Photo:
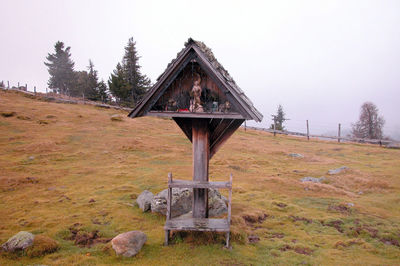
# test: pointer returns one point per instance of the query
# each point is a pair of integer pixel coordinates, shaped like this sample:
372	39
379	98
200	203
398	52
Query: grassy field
66	166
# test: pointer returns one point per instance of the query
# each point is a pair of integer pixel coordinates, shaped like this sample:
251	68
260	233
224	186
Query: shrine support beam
201	155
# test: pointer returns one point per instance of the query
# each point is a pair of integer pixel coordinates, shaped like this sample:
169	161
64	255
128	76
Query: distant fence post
244	125
308	131
83	97
338	133
34	89
46	91
274	127
26	87
8	84
18	86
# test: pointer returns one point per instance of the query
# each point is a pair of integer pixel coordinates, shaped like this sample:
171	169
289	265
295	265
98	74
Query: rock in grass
337	170
216	203
20	241
312	179
296	155
128	244
182	202
144	200
116	117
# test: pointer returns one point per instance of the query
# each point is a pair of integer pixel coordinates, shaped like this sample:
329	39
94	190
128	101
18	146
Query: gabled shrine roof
207	57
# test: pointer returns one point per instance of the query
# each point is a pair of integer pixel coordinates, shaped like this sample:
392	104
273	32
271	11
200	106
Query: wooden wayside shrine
203	99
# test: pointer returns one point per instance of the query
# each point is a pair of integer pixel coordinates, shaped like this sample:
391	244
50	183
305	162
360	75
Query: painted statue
195	103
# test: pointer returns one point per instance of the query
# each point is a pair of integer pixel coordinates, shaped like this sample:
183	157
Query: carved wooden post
201	154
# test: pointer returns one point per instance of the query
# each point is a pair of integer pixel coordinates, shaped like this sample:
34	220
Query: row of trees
369	125
126	85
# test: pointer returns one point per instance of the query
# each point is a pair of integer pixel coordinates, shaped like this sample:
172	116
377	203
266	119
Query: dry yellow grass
55	158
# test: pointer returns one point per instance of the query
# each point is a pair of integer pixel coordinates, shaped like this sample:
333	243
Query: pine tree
279	119
81	81
117	85
61	69
370	123
127	83
92	89
103	92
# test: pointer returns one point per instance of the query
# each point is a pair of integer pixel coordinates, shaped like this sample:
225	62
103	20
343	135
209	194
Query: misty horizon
320	61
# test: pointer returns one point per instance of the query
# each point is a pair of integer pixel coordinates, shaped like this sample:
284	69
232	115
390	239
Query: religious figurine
225	107
195	103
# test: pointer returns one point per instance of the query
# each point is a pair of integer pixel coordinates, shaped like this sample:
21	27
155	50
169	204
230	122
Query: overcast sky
319	59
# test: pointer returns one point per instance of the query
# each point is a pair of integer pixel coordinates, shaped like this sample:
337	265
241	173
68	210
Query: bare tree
370	124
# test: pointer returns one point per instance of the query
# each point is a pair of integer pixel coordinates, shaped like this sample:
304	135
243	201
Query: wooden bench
197	224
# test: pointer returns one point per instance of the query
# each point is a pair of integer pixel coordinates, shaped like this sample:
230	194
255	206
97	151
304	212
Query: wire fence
49	95
340	137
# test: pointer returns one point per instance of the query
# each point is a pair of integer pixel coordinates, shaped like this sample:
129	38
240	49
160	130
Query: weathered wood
308	131
339	132
201	155
198	224
195	115
227	238
186	126
220	81
199	184
219	130
169	197
184	58
217	144
230	199
166	237
169	202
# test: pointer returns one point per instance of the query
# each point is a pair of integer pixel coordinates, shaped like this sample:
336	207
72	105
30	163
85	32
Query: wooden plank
201	152
217	144
230	199
169	197
219	130
186	126
197	184
195	115
198	224
220	81
214	122
153	95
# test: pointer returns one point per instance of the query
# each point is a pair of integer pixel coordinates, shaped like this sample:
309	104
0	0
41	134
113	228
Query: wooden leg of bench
166	237
227	239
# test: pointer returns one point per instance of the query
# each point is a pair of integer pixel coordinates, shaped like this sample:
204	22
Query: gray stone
20	241
217	204
144	200
337	170
128	244
350	204
296	155
312	179
182	202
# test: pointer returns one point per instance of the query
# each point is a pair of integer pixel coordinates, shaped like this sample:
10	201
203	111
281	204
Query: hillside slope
66	165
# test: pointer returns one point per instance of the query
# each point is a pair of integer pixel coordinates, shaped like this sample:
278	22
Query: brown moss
42	245
23	117
8	114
